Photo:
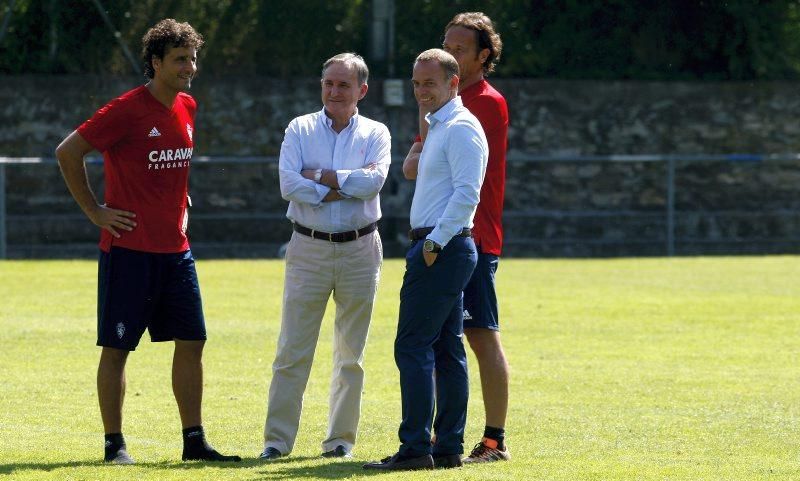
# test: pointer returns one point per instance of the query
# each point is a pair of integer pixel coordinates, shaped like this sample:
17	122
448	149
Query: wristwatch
317	175
431	246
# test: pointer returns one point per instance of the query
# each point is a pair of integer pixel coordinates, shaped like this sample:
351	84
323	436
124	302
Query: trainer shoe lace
487	451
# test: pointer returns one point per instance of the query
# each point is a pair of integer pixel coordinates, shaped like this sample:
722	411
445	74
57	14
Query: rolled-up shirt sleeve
467	155
295	187
365	183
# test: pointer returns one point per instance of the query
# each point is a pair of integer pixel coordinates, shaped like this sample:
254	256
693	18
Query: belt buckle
330	236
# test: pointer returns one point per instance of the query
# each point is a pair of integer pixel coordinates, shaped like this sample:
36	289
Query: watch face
430	246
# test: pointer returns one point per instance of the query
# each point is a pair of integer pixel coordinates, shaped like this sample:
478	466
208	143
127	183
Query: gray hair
352	61
447	61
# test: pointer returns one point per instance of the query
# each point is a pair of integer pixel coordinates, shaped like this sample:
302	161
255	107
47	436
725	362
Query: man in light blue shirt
332	165
439	263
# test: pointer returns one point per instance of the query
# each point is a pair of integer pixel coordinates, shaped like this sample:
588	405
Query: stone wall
568	208
248	116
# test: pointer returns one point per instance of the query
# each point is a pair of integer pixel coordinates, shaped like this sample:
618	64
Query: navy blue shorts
142	290
480	298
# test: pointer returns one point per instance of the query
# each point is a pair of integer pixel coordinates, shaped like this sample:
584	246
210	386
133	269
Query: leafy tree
595	39
678	39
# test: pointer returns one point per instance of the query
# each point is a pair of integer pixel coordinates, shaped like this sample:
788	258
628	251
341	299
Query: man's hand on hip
112	219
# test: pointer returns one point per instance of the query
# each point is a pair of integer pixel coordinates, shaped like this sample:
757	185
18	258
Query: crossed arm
298	182
330	179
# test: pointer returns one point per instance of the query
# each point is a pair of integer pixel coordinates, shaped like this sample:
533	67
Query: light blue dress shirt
311	143
450	172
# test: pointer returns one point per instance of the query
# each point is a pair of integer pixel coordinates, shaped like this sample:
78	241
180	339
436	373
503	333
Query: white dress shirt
311	143
450	172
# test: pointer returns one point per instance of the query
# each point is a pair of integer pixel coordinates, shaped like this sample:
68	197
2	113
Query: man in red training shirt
470	38
146	276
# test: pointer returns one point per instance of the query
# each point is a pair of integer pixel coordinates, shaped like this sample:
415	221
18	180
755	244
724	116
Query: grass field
651	369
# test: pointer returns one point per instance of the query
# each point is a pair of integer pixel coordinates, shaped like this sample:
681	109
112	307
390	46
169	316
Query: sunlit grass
679	369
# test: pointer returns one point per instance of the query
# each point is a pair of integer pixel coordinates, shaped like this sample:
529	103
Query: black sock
498	434
195	446
114	443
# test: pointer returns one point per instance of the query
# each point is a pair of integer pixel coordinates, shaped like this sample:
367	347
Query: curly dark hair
167	33
485	34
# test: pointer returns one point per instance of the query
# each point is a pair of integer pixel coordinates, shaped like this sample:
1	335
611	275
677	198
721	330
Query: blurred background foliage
568	39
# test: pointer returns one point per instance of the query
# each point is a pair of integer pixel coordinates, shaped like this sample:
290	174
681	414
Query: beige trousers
315	269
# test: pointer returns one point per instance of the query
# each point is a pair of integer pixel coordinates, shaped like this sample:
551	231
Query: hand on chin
426	107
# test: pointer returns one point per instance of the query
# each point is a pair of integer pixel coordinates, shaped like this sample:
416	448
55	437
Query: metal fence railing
671	162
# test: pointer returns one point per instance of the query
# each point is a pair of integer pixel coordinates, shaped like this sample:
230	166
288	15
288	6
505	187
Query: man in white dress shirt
439	264
332	165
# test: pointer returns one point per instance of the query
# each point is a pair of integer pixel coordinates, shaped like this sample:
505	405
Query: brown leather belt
347	236
422	232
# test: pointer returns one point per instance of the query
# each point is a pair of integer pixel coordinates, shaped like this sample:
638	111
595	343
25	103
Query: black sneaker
445	461
208	455
339	452
196	448
402	463
269	454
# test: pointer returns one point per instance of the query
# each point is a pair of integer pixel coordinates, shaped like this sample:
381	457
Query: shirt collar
444	113
329	121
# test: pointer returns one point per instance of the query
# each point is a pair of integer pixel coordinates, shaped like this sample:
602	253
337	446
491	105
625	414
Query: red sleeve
107	126
492	113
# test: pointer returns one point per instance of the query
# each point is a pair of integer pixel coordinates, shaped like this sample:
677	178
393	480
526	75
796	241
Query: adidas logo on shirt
154	133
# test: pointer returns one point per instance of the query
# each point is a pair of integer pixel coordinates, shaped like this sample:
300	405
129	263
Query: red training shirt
147	149
489	106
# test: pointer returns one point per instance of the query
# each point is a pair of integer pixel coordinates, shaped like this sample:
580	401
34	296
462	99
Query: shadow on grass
47	467
11	468
284	468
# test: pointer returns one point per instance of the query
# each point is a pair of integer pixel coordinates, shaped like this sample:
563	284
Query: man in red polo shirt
146	277
471	39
